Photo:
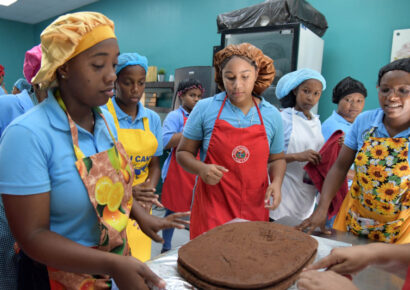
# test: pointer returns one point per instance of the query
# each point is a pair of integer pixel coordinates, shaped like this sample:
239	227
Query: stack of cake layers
246	255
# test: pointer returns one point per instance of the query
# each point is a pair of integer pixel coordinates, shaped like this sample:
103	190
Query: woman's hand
211	173
309	155
129	273
152	224
350	174
341	140
315	280
317	219
273	191
346	260
144	193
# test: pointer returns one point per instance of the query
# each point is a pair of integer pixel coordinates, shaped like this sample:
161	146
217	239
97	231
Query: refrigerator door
277	44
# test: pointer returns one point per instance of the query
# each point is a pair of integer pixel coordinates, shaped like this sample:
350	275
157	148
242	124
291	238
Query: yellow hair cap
68	36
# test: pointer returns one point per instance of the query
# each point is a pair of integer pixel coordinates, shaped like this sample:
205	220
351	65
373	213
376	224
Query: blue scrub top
125	121
364	122
333	123
173	124
38	150
12	106
201	122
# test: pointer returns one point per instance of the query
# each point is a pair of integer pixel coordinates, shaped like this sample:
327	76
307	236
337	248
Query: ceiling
35	11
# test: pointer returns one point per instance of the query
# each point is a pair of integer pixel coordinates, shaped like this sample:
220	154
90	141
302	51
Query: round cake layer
247	255
281	285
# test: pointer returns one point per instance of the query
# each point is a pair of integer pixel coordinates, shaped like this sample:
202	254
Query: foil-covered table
165	265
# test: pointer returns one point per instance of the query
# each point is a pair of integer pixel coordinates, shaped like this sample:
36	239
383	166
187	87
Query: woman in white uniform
298	92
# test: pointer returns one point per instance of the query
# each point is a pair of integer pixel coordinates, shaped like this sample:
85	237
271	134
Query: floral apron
378	204
108	180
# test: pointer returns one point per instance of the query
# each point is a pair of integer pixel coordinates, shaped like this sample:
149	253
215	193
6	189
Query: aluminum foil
165	265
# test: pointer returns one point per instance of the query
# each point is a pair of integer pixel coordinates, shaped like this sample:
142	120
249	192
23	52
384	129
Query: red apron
406	285
241	191
178	185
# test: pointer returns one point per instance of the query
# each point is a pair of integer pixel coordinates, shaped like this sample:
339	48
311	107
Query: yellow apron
140	145
378	203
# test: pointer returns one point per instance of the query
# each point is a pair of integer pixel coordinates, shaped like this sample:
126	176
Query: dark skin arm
276	170
186	153
29	220
174	141
150	224
308	155
331	185
393	258
144	193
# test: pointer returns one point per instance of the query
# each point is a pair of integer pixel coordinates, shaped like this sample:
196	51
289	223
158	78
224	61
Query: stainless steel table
371	278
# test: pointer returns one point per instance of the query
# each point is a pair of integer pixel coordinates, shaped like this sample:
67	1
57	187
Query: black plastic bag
274	12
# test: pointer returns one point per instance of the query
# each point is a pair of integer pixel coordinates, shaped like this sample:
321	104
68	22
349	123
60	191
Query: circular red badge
240	154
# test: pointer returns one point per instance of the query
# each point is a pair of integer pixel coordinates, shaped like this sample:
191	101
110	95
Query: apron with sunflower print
378	204
107	177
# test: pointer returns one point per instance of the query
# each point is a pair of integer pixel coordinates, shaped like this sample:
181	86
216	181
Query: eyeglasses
400	91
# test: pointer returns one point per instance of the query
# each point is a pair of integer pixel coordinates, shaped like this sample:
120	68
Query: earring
63	77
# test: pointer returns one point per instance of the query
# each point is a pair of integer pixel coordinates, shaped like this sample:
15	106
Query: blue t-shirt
38	150
288	124
333	123
173	124
201	122
125	121
364	122
12	106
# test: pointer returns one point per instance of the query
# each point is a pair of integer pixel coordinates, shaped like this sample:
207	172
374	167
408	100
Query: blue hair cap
22	84
132	58
293	79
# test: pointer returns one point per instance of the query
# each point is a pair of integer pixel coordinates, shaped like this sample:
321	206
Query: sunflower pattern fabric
381	189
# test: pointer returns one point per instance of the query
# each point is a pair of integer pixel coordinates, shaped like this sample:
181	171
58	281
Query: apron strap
111	109
256	105
73	128
184	117
259	112
369	134
223	104
145	121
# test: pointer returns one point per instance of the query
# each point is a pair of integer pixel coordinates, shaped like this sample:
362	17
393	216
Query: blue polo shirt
364	122
201	122
125	121
333	123
38	150
12	106
173	124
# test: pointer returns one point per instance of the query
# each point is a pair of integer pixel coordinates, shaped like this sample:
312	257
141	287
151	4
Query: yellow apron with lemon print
378	204
140	145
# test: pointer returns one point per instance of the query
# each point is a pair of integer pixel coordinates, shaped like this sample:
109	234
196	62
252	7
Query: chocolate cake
246	255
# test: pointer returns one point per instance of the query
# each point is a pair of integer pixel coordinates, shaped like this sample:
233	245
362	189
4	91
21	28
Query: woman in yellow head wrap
67	187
